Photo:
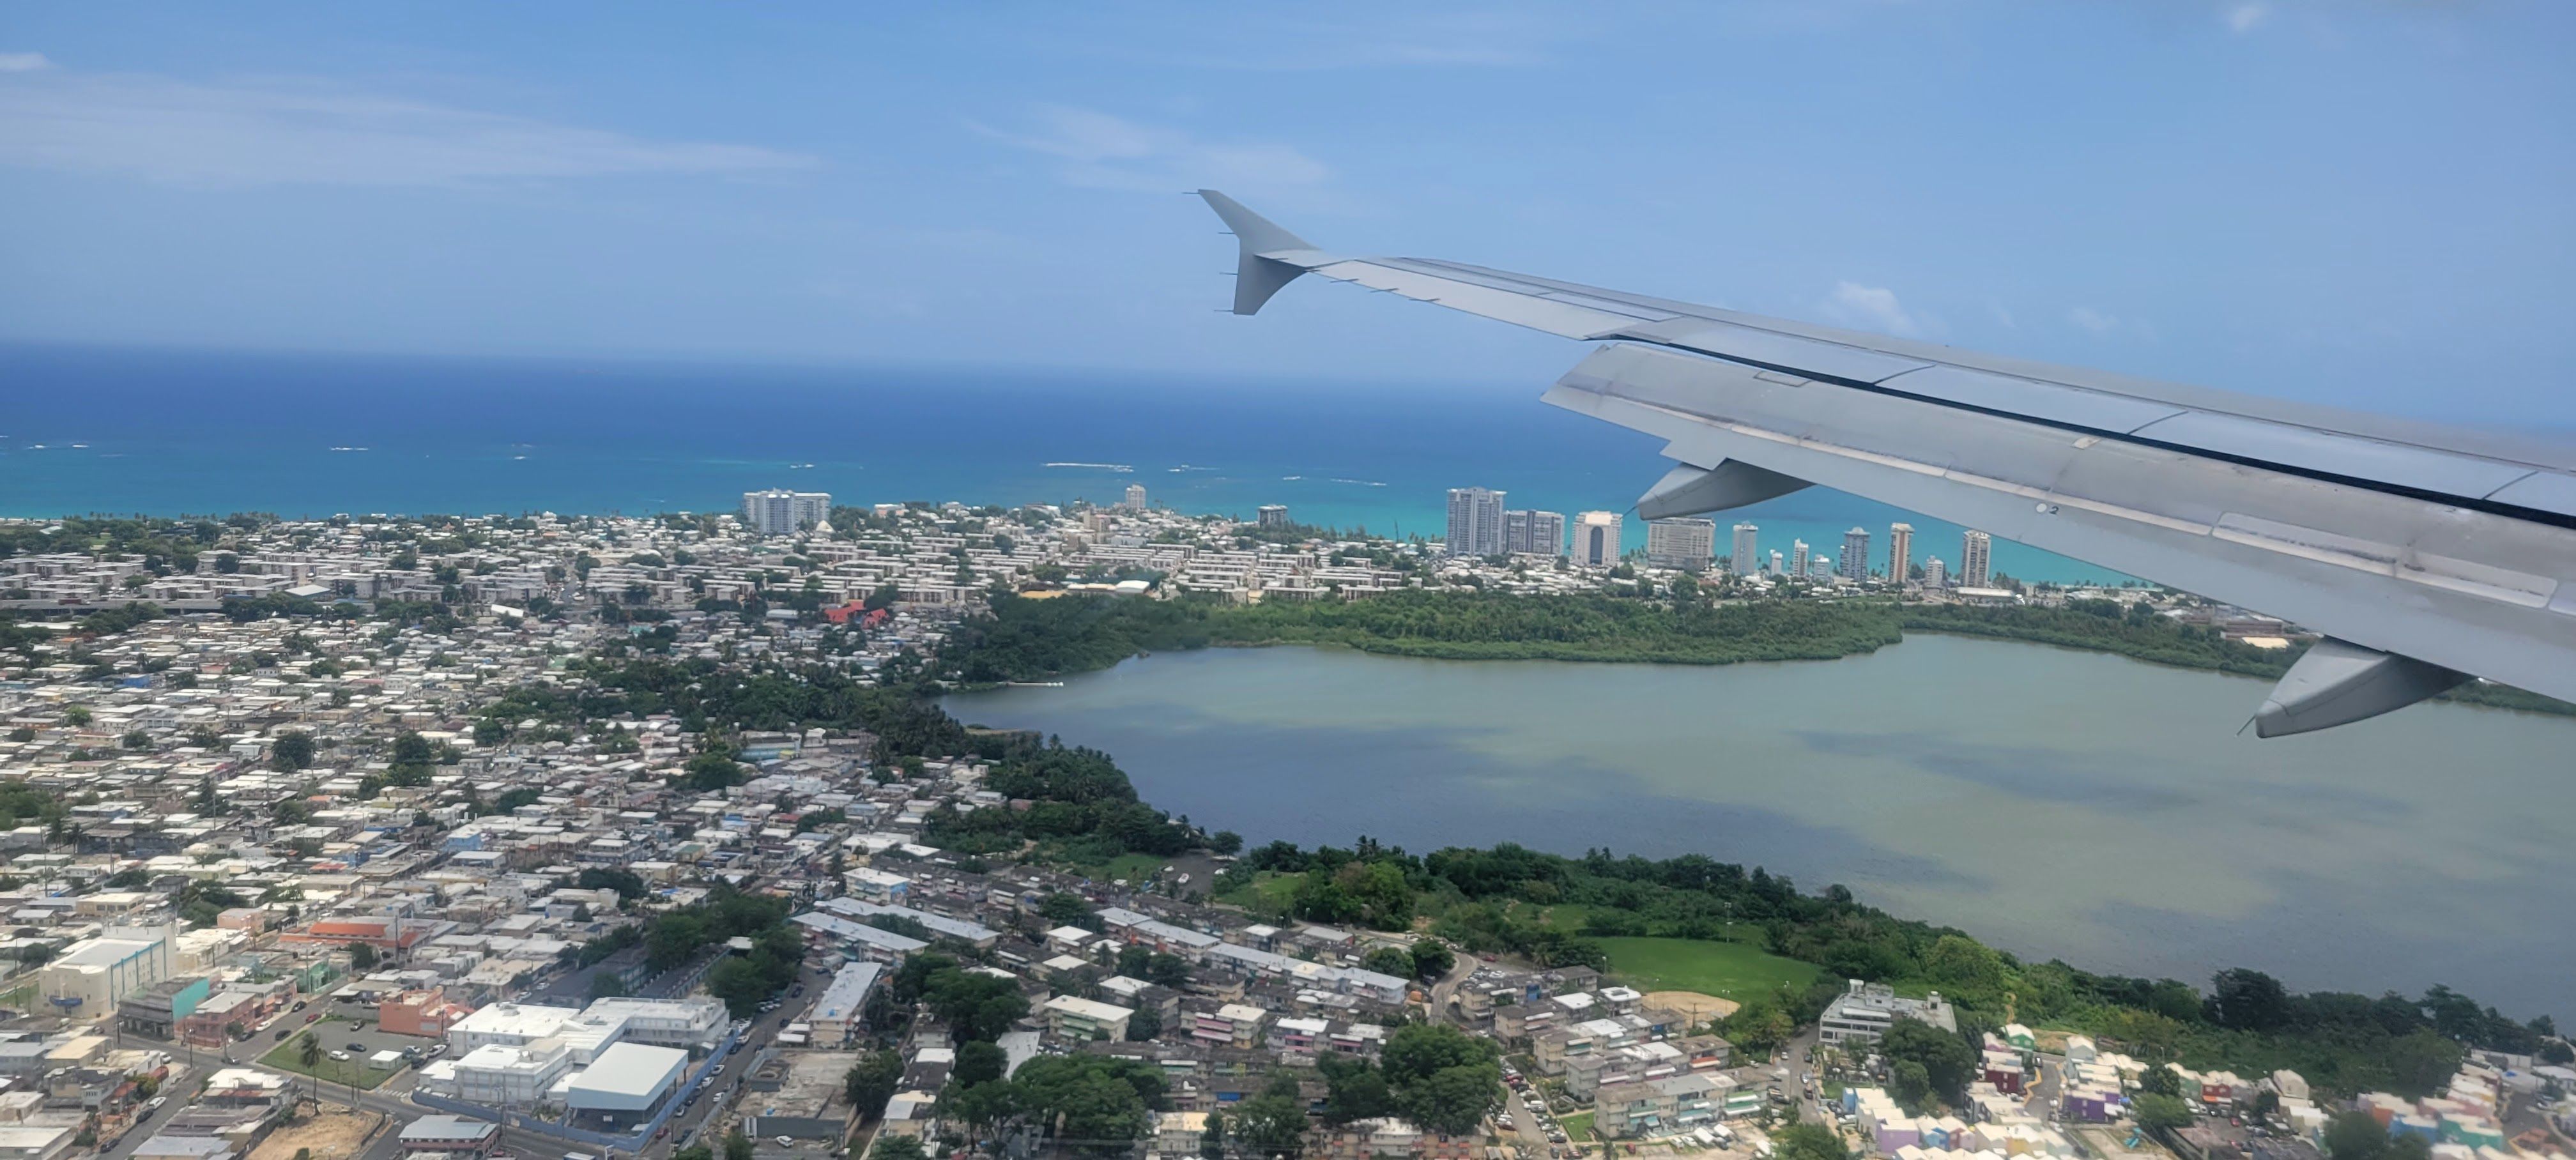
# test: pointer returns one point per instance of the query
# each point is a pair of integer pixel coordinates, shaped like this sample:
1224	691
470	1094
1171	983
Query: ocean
168	432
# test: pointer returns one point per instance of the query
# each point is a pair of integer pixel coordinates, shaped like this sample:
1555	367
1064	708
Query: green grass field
1269	891
1726	970
1578	1127
1135	868
288	1056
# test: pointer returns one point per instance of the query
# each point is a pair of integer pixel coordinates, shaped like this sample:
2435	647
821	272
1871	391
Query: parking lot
342	1036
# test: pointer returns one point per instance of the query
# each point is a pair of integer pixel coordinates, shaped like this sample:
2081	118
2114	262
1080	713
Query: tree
362	957
1272	1124
1144	1025
890	1146
1395	961
308	1051
2160	1081
738	1146
2160	1113
2356	1136
2243	1000
711	771
1355	1090
978	1062
1432	959
291	751
1911	1083
871	1082
1440	1077
1064	909
1947	1061
1808	1142
1225	843
136	739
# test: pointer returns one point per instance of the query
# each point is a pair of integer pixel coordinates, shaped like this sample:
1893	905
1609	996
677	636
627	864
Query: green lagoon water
2056	803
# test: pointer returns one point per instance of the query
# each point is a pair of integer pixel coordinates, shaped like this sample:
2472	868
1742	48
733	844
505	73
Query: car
353	1046
313	1017
156	1101
341	1056
283	1032
299	1005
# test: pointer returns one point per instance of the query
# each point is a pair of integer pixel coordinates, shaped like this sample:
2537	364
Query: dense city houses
319	836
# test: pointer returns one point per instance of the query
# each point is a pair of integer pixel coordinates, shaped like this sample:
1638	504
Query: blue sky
2363	202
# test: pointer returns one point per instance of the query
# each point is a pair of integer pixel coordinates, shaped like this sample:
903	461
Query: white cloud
2244	18
18	62
1876	308
232	133
2104	324
1102	151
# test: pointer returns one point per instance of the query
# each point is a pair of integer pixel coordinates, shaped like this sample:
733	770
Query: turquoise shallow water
2060	804
87	430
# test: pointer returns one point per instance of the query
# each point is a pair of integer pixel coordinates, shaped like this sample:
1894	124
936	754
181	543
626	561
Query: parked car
341	1056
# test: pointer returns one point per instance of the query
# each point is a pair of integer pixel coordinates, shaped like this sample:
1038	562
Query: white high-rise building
1135	497
1935	573
1976	560
1687	544
778	512
1596	539
1855	563
1747	555
1536	533
1776	568
1900	552
1797	557
1274	515
1820	568
1475	522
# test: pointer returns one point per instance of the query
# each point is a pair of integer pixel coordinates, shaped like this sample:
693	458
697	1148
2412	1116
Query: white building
840	1012
1935	573
1865	1011
1748	554
1273	515
626	1083
778	512
1687	544
511	1077
507	1025
1797	557
682	1023
1596	539
1135	497
1900	552
1475	522
92	975
1976	560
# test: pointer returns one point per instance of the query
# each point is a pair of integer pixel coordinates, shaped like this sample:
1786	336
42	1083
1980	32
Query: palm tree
308	1051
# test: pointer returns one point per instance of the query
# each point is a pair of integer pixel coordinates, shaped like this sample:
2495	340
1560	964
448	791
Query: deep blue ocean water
164	432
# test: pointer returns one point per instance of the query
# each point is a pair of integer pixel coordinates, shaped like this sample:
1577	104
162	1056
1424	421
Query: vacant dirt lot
1701	1008
331	1134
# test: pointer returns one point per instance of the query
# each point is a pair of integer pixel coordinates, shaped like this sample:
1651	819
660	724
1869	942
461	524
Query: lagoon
2059	804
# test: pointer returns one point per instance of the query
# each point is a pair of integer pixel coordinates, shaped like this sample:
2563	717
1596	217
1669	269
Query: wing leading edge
2426	554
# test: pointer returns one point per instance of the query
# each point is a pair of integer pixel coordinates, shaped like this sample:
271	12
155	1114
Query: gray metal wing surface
2426	554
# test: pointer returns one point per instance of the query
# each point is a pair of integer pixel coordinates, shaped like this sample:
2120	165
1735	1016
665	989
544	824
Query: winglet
1256	278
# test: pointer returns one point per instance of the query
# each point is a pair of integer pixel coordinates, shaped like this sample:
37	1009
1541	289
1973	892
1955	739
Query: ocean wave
1360	482
1190	467
1118	467
1291	478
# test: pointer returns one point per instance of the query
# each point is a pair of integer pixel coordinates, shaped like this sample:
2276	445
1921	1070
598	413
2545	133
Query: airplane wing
2425	554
